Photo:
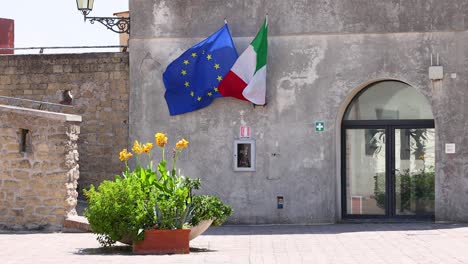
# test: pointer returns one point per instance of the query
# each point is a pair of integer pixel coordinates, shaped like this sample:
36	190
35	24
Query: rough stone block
7	139
5	79
21	175
21	164
29	209
67	68
52	219
56	177
11	184
18	212
49	166
39	79
41	155
13	156
42	210
50	202
12	147
58	211
57	69
38	92
11	70
56	137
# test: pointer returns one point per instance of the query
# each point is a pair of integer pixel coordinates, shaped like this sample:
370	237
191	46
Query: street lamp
116	24
85	6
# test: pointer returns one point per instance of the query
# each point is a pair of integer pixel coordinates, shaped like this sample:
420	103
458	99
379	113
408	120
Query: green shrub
209	207
118	209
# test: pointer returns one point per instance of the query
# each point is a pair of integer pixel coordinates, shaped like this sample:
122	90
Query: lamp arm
116	24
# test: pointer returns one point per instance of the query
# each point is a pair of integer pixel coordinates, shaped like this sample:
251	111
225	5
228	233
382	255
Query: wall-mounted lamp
116	24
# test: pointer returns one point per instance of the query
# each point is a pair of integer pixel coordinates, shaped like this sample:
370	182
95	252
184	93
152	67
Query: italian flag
247	78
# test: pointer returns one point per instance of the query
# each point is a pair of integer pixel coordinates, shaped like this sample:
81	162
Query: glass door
414	171
366	167
388	171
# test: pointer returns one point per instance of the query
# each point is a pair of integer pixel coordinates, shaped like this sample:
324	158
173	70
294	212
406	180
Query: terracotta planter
200	228
163	242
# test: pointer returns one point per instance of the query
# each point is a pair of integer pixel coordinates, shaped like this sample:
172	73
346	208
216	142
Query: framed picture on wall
244	155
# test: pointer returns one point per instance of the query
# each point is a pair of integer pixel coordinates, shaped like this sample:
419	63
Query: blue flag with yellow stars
192	79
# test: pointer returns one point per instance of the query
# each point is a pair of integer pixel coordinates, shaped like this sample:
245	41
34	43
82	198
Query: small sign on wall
319	126
244	132
450	148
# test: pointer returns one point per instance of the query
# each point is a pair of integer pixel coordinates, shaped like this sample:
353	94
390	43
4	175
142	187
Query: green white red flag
247	78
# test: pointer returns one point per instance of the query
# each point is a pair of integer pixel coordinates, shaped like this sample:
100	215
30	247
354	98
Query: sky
47	23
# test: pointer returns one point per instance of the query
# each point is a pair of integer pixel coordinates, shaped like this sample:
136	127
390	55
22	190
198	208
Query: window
389	100
23	133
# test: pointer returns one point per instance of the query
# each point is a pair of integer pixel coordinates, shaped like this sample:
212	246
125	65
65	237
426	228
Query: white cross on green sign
319	126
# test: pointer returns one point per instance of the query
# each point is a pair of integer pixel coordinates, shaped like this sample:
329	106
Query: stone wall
99	85
38	176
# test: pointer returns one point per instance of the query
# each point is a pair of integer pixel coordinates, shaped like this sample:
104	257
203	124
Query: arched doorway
388	155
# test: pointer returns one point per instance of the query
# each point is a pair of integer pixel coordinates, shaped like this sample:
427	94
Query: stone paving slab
341	243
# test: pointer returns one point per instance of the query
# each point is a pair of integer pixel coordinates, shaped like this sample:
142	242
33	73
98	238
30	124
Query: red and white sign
244	132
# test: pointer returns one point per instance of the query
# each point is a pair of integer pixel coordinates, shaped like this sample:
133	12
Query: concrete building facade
321	55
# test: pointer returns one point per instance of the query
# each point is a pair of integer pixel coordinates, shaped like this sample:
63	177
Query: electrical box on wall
280	202
436	72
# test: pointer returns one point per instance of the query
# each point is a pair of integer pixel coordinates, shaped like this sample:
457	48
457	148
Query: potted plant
153	207
208	210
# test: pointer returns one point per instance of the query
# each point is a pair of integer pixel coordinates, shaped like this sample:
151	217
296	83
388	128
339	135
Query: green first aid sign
319	126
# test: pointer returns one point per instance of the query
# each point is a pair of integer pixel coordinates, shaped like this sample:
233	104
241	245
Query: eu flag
192	79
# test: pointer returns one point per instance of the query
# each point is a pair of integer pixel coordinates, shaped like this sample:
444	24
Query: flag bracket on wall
263	105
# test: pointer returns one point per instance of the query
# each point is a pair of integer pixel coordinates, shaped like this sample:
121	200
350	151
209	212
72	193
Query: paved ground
343	243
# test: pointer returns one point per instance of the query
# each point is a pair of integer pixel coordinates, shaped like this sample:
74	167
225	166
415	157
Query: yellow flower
182	144
125	155
137	147
161	139
147	147
129	155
